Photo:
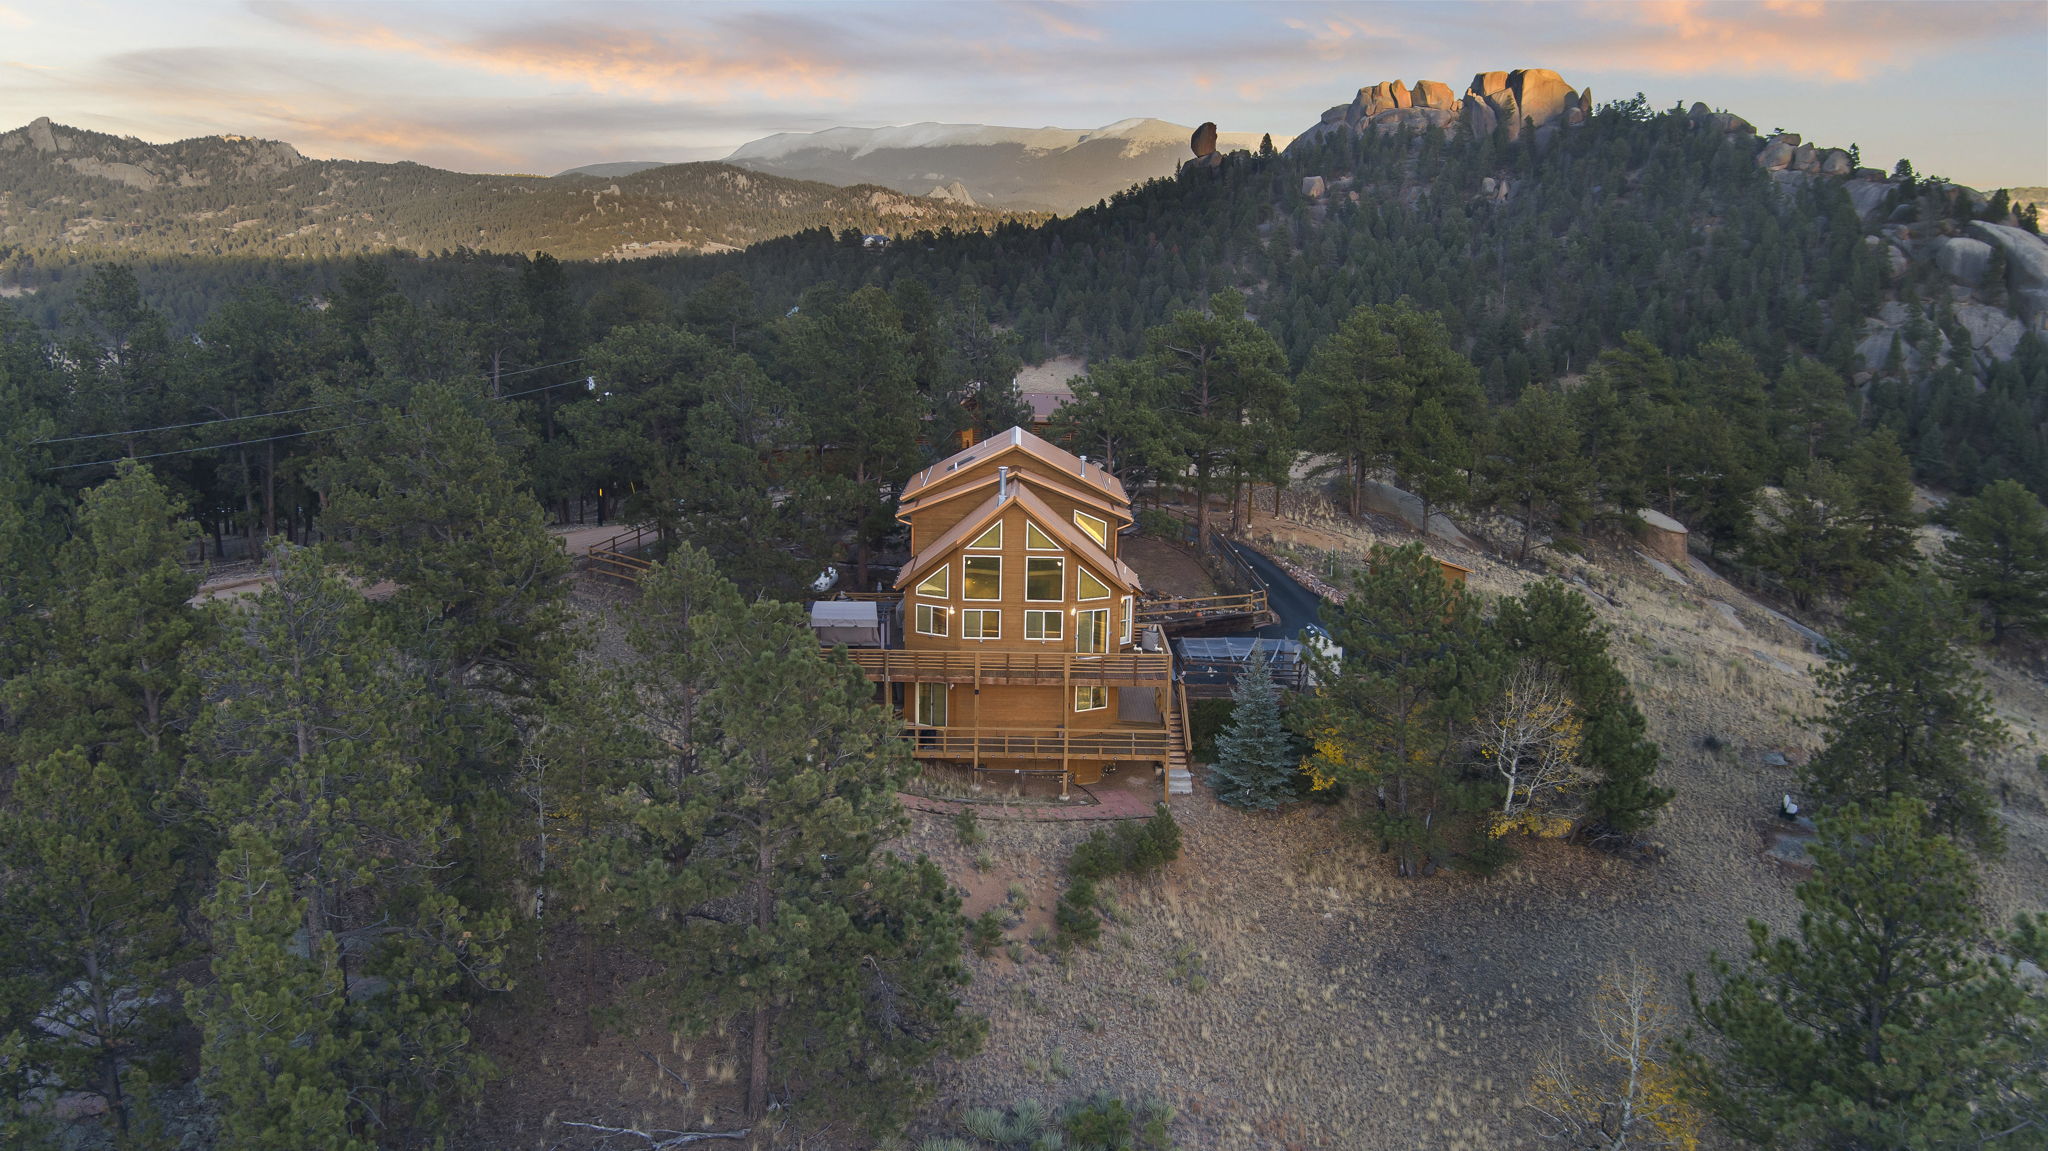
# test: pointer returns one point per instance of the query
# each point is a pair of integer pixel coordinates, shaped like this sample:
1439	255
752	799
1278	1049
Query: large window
1098	530
1045	578
981	623
935	584
930	705
1087	586
931	619
1091	630
981	577
1091	698
1044	624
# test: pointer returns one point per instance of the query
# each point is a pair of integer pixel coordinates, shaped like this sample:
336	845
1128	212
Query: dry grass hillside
1282	990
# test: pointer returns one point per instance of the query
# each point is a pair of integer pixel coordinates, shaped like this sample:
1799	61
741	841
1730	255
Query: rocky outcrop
200	162
1516	99
1313	187
2026	264
1965	259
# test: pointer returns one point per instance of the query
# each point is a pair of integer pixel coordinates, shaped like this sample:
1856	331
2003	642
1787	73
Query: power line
283	436
288	411
207	448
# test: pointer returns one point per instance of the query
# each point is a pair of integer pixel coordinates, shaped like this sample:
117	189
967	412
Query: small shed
855	623
1663	536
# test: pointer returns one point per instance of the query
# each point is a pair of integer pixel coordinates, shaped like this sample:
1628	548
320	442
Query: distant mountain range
71	194
1047	169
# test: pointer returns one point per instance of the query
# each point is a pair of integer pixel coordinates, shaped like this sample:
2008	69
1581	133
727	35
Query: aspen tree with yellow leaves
1613	1094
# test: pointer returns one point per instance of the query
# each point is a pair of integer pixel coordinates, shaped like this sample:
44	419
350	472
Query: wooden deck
1150	744
1184	612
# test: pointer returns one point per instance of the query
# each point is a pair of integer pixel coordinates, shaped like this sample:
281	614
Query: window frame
1102	631
1130	619
995	529
1059	621
943	576
938	612
1097	695
1059	562
920	693
981	616
1108	589
1031	529
1083	519
965	581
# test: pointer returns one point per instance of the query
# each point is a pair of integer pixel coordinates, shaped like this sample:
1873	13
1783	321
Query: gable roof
1086	495
972	524
1018	441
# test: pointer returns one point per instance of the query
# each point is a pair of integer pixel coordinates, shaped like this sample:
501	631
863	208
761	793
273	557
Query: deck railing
1037	743
1110	669
1193	609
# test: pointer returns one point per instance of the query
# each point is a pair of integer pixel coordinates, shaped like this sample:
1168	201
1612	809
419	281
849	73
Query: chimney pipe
1084	465
1002	484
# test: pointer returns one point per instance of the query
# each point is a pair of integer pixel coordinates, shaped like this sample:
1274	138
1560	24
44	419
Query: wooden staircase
1179	780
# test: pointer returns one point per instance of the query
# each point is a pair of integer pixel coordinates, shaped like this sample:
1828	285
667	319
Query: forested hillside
68	196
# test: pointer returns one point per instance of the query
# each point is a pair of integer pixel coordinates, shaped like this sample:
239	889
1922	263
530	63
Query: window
1129	622
1091	630
931	619
1090	587
1044	624
1036	539
1045	578
981	577
930	705
935	584
1098	530
989	540
981	623
1089	698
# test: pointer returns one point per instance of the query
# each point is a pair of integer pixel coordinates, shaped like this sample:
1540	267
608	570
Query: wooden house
1020	650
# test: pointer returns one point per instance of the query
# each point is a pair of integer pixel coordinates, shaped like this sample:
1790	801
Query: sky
1959	87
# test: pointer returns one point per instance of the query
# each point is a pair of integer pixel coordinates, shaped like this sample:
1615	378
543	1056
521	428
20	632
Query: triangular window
1090	587
935	584
989	540
1036	539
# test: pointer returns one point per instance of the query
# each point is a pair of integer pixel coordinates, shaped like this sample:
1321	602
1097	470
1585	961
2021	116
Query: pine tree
108	682
1998	558
1907	713
1535	466
1554	625
273	1051
1879	1024
750	859
88	929
1256	763
1415	668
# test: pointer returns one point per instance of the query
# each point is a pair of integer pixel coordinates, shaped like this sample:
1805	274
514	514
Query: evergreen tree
274	1052
1998	557
1878	1025
88	930
1256	761
321	738
1554	625
1907	714
1534	464
108	682
1415	669
426	496
751	861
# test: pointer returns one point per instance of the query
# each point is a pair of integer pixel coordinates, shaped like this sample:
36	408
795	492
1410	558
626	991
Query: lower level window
1091	698
931	619
981	623
1043	624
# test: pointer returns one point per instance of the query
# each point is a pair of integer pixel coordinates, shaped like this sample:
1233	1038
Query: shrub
1160	524
985	932
1074	918
967	827
1101	1120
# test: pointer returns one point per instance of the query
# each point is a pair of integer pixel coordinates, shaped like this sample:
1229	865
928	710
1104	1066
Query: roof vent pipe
1002	484
1084	465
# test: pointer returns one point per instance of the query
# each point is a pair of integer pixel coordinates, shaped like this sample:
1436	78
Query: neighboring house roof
1019	441
971	525
1044	404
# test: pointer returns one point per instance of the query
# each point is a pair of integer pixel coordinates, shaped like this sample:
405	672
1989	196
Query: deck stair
1179	780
